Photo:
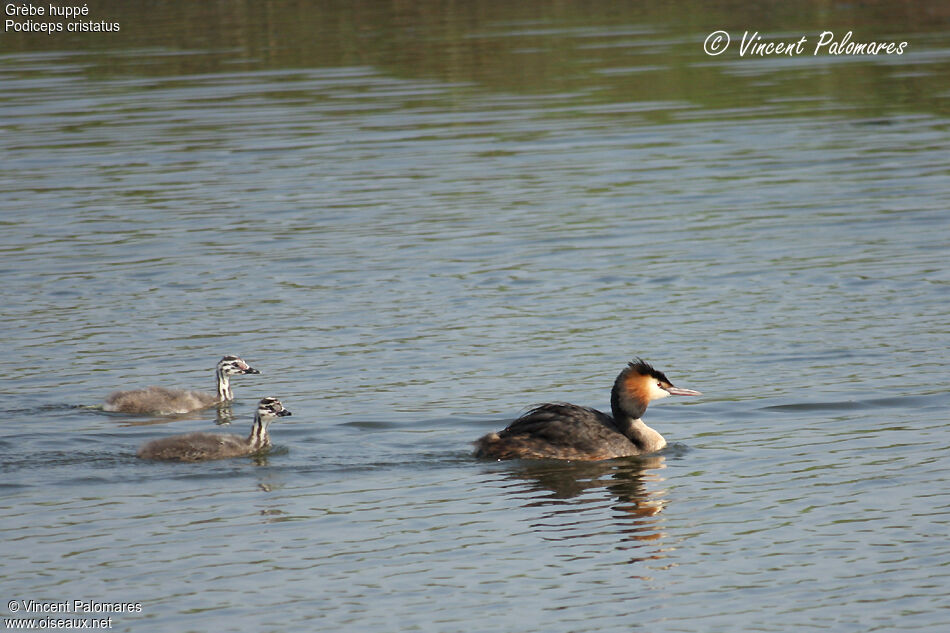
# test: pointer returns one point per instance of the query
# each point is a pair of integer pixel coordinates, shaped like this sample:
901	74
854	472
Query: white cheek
656	393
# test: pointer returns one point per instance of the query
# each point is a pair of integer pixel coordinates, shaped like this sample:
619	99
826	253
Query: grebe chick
161	401
196	447
567	431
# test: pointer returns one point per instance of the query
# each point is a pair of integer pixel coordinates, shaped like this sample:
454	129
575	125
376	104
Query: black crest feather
644	368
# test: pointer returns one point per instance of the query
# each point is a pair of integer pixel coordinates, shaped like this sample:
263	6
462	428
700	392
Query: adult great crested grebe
567	431
196	447
162	401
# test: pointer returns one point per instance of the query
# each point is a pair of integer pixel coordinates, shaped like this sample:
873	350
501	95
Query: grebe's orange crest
642	382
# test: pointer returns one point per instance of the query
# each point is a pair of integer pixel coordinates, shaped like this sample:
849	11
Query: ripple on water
412	253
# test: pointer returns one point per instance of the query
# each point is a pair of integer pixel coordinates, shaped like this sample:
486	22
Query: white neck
647	440
258	438
224	386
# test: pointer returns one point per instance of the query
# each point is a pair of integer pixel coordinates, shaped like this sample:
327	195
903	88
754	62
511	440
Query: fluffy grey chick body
162	401
196	447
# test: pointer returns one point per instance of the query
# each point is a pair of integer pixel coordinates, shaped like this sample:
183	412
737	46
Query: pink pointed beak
680	391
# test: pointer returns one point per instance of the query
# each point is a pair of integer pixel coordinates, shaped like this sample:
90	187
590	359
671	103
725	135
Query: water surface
418	222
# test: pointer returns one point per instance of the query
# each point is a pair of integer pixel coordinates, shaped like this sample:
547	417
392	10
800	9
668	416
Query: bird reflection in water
224	414
576	494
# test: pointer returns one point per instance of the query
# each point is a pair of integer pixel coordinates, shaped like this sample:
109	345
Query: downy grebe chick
161	401
196	447
567	431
